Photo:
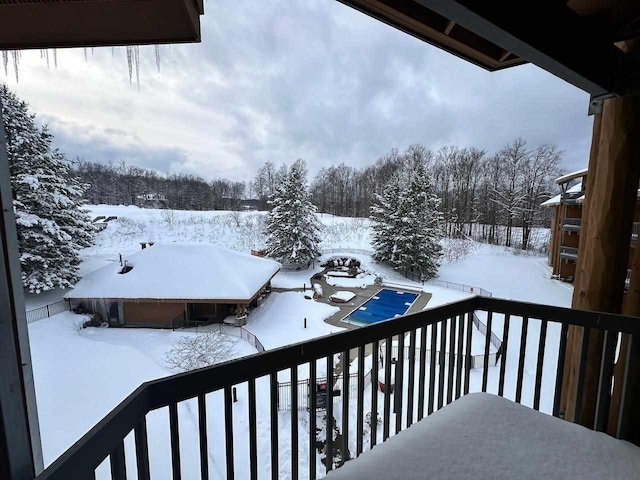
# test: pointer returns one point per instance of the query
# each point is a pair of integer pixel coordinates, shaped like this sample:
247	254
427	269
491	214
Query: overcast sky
281	80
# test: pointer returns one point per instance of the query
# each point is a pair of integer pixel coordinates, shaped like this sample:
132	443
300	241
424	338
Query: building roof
571	176
180	272
553	201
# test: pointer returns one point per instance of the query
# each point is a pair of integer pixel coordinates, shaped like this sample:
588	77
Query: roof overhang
574	40
26	24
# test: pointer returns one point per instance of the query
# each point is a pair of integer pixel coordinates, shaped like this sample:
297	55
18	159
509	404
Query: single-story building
167	285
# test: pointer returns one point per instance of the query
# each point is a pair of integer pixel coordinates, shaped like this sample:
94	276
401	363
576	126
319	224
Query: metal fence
47	311
236	331
305	390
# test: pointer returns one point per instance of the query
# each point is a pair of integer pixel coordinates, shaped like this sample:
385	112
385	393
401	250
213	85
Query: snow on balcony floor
485	436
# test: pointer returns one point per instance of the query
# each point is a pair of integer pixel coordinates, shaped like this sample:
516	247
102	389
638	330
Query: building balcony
568	253
253	436
572	198
571	224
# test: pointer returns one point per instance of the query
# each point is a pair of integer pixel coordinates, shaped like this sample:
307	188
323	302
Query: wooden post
612	185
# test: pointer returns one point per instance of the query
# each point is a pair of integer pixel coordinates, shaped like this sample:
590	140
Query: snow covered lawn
280	319
82	374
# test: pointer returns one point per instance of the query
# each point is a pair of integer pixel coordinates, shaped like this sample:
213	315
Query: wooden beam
449	27
504	56
611	196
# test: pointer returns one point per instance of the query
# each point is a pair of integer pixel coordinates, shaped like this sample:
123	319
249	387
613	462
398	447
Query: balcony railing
571	224
572	198
635	231
423	384
569	253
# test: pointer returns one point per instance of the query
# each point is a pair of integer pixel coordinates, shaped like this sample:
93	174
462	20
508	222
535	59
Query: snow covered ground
82	374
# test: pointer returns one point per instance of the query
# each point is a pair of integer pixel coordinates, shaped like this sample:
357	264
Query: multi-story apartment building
566	224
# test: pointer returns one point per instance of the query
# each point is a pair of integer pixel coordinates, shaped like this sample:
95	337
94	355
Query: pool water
383	305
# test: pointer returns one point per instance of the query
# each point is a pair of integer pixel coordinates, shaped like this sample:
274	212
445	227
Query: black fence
421	386
47	311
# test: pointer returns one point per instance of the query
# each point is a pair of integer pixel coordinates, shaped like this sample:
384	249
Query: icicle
15	56
136	51
113	51
46	53
5	61
55	58
158	57
85	54
92	51
129	60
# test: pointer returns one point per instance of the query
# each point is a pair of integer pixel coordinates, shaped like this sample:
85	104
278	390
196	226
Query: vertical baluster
329	410
294	422
228	431
487	343
387	393
560	369
459	359
628	379
503	355
202	437
541	346
398	391
374	393
443	354
422	371
412	376
118	467
604	383
467	354
312	419
142	450
360	401
346	357
273	394
582	368
175	441
432	367
521	359
452	358
253	435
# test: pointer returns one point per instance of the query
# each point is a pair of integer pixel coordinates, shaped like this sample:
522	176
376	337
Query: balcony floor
485	436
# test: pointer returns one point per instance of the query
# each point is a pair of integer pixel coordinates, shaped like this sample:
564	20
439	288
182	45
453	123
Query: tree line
123	184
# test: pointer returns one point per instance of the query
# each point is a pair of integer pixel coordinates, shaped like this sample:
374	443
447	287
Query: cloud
312	79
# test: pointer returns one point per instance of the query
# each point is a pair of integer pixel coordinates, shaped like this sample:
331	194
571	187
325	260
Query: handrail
107	436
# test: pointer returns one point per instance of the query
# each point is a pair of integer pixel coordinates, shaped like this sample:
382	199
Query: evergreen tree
420	227
384	214
407	225
292	226
51	225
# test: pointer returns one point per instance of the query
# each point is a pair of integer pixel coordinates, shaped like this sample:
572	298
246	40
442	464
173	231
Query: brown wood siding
570	239
156	314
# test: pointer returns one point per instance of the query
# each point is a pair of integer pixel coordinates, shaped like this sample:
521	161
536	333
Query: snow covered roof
180	272
576	188
571	176
552	201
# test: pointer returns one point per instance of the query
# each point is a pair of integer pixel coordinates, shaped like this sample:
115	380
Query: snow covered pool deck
484	436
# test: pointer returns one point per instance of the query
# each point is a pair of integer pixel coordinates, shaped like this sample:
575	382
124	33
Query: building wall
152	314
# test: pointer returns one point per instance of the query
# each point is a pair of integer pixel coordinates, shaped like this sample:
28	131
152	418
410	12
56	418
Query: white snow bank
484	436
342	296
361	281
180	271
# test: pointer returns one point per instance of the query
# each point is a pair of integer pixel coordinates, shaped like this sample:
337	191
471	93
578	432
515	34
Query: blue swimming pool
383	305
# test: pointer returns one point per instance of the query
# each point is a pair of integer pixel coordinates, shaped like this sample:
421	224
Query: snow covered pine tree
292	227
52	227
407	227
384	214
